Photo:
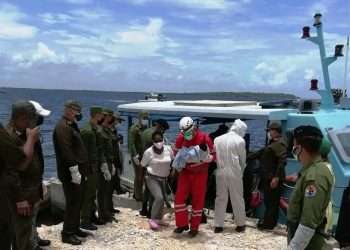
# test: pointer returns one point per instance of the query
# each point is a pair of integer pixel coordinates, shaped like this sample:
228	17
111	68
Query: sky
168	45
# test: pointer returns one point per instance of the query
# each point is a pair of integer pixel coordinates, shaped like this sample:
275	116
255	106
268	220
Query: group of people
89	165
194	150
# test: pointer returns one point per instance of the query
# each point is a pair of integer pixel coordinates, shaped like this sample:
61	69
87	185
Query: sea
54	100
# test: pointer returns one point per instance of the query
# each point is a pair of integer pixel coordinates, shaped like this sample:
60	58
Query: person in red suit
192	179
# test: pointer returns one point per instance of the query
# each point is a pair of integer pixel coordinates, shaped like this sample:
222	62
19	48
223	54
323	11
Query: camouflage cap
95	110
107	111
143	115
73	104
23	107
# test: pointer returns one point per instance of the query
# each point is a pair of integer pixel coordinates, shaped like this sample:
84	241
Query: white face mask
159	145
296	152
144	123
269	137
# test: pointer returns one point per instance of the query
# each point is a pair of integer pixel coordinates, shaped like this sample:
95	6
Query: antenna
346	67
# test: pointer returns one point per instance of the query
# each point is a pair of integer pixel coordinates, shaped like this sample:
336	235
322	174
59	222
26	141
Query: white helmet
185	123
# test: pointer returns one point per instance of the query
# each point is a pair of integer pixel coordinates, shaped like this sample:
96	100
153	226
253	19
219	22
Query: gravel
132	232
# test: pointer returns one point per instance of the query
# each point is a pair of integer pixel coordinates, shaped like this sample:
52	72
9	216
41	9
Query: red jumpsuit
192	181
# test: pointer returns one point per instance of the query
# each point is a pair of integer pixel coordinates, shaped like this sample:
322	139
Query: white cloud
12	26
79	1
198	4
52	18
309	74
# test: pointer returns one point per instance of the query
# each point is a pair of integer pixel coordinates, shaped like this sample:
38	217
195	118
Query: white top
158	164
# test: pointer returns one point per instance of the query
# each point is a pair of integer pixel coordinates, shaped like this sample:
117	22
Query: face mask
188	135
78	117
101	121
111	121
269	136
40	120
296	152
144	123
159	145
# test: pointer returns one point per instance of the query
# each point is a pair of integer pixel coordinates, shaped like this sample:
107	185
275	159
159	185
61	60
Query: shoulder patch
310	191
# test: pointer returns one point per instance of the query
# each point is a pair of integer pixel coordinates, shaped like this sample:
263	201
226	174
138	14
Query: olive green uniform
135	148
146	138
272	160
11	156
104	194
117	160
30	190
93	144
70	151
309	201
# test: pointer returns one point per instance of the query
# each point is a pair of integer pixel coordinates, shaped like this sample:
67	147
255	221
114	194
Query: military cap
163	123
275	126
22	107
73	104
95	110
325	147
107	111
307	131
143	114
118	117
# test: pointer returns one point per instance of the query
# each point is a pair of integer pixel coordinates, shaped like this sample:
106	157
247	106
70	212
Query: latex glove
76	176
302	237
274	182
105	171
24	208
136	160
113	170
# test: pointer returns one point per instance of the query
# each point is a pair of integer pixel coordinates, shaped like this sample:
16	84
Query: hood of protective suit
239	127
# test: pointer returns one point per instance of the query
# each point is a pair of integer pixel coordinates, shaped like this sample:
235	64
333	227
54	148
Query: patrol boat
331	117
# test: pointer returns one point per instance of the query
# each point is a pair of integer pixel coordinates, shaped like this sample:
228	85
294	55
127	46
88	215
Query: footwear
70	239
143	212
89	227
240	229
218	230
44	243
98	221
180	230
114	220
120	191
262	226
81	234
204	218
117	211
39	248
153	224
193	233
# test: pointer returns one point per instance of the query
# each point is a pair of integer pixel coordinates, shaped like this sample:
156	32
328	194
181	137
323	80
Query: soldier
105	190
93	144
72	161
11	158
272	163
135	151
118	157
24	116
312	192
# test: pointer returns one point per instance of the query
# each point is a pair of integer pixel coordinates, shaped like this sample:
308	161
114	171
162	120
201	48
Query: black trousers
271	201
72	193
6	223
104	198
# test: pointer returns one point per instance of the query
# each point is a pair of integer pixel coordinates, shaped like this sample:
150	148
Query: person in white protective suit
231	161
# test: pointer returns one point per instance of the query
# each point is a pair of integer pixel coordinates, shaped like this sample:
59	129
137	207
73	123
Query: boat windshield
340	138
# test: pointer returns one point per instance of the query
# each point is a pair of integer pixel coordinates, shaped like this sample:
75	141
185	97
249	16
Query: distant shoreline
244	93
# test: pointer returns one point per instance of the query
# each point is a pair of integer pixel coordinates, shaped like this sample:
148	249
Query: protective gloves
113	170
136	160
302	237
105	171
76	176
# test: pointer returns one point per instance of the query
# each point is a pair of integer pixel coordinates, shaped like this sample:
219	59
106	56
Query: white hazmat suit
231	161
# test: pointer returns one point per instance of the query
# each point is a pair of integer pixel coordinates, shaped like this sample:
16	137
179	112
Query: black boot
180	230
218	230
81	234
240	229
70	239
89	227
44	243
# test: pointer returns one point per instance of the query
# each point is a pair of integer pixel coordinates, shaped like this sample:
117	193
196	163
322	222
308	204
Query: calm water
54	99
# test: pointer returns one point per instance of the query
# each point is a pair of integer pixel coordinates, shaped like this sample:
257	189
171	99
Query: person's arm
281	155
64	140
256	154
132	141
315	196
242	155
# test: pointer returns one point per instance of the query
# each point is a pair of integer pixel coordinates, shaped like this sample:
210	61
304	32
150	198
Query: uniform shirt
311	195
158	164
117	159
11	156
272	159
107	145
134	140
69	148
198	139
146	138
92	138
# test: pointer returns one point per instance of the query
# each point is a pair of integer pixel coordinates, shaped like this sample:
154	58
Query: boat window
340	138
